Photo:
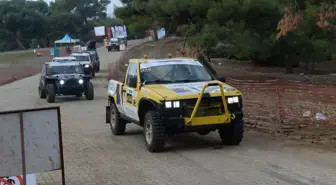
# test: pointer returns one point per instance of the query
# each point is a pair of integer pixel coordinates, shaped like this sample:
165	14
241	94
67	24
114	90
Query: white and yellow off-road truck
174	95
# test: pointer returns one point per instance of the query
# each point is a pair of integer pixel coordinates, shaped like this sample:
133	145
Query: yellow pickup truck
174	95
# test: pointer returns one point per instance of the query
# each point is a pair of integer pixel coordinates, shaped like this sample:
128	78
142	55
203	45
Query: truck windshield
114	42
71	69
122	39
176	73
82	58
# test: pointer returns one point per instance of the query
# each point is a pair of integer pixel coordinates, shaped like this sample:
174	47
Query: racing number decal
130	103
129	98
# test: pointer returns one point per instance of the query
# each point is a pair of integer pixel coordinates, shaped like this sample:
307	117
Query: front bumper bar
210	120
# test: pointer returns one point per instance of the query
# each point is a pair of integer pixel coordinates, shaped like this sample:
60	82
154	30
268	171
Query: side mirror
221	78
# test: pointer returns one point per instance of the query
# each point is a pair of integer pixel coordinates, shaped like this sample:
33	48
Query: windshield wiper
187	80
158	81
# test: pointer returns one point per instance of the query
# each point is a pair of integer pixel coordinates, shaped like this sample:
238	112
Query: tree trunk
289	67
155	34
208	55
17	40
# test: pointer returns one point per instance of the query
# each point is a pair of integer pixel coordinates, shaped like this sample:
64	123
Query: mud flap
108	115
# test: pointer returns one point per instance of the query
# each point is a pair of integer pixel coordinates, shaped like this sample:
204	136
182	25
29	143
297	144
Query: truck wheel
89	94
93	73
98	68
118	125
51	93
42	93
232	134
154	132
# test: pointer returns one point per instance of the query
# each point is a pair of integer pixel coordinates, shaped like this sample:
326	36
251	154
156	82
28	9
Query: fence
291	108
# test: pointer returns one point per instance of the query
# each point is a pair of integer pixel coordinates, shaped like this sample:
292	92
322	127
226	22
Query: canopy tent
66	40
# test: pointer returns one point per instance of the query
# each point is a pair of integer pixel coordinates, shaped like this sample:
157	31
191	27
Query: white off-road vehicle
86	60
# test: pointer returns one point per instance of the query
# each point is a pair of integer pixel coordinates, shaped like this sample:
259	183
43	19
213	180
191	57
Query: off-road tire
232	134
119	127
93	73
51	94
203	133
42	93
158	132
89	94
98	67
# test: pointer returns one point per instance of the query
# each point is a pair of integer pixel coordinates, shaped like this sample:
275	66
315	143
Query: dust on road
93	156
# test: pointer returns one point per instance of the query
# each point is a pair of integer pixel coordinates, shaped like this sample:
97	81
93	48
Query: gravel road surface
94	157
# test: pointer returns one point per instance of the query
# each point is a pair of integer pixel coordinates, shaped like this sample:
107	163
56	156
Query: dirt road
94	157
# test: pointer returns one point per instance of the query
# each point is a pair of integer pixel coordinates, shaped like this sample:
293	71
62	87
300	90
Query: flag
121	31
99	31
125	31
108	31
113	32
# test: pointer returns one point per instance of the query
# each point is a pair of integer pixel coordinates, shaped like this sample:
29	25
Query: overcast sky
109	7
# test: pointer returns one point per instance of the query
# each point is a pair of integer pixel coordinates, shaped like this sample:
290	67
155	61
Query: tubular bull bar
210	120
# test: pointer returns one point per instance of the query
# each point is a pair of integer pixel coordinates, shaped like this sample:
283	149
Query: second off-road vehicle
95	57
113	44
64	78
87	61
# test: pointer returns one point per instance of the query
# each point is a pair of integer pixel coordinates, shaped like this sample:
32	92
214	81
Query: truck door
129	92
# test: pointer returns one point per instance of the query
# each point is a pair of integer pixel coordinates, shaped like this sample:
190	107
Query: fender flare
156	105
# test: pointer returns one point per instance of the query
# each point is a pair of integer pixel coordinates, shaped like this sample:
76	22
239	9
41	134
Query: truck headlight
174	104
87	65
80	81
168	104
232	100
61	82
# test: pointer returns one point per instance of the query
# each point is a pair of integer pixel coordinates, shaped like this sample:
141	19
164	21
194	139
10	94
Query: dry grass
15	57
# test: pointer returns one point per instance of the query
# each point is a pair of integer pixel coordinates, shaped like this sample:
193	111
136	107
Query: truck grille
211	106
71	82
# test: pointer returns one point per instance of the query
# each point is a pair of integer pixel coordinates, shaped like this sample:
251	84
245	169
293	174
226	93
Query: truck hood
84	62
189	90
68	76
